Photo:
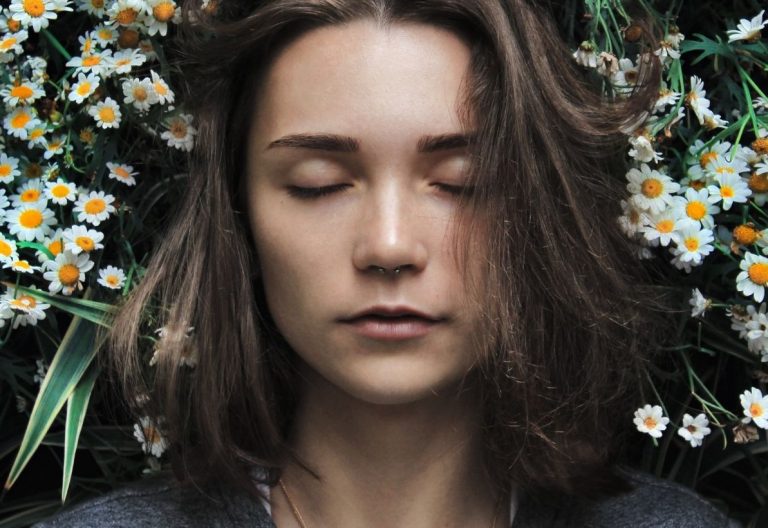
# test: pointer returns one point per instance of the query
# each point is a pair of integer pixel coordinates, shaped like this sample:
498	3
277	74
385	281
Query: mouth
392	327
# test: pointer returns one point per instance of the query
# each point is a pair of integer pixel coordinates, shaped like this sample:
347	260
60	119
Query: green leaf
77	405
93	311
77	350
706	48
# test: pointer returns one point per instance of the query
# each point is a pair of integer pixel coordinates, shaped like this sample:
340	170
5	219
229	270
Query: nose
389	233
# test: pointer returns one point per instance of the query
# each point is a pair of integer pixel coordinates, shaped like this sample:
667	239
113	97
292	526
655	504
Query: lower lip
392	330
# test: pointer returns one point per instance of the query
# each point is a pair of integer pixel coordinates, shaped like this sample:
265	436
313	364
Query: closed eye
308	193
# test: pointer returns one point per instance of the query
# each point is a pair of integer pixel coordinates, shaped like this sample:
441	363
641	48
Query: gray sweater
652	503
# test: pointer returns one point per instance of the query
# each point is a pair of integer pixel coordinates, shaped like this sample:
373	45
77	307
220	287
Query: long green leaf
75	353
77	405
94	311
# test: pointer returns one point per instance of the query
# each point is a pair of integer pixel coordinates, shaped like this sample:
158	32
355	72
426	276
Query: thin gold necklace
300	519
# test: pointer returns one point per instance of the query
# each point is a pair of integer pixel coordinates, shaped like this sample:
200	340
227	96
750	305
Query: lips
392	323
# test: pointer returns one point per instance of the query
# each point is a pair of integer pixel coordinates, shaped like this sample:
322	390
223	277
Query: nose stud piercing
383	270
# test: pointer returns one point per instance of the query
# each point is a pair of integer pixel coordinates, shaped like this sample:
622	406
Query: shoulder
160	502
651	503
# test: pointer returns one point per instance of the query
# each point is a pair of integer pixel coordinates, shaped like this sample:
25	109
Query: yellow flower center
122	173
22	264
7	43
696	210
745	235
94	206
755	410
696	184
98	4
727	192
60	190
112	280
159	88
87	45
760	145
650	423
665	226
725	169
105	34
758	182
707	158
163	11
20	120
85	243
91	60
36	133
179	129
692	244
30	195
5	248
69	274
758	273
22	92
140	93
24	302
83	89
651	188
34	8
55	247
31	218
13	26
107	114
128	38
126	16
86	135
5	170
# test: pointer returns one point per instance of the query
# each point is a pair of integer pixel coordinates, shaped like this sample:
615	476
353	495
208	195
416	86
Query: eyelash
308	193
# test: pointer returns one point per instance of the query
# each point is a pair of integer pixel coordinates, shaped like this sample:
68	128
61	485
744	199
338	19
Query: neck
415	464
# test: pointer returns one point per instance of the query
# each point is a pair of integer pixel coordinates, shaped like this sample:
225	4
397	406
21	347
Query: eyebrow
336	143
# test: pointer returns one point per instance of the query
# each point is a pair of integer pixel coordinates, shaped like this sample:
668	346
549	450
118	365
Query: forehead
362	79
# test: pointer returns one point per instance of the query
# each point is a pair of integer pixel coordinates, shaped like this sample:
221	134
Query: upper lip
393	311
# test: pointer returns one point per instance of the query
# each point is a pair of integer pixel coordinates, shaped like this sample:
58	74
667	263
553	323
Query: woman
409	303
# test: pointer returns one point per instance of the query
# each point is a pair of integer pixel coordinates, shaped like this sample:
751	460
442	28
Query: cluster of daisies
680	213
52	218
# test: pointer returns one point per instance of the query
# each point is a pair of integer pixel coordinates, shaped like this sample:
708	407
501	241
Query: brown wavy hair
569	319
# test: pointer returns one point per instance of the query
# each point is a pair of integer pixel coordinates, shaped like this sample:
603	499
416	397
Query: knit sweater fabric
162	503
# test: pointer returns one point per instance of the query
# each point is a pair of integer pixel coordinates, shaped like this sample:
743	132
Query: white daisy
180	133
60	191
661	227
67	272
695	209
8	250
9	168
126	12
104	34
667	51
94	207
748	30
34	13
29	193
162	90
79	238
26	308
111	277
699	156
696	99
651	190
699	303
87	44
632	218
625	79
731	188
148	49
84	87
21	266
755	407
694	429
20	121
751	281
666	97
159	14
4	204
98	62
694	244
650	420
124	60
642	149
175	337
93	7
106	113
53	243
36	135
122	173
31	222
55	146
149	435
712	120
10	45
756	329
139	93
22	93
585	55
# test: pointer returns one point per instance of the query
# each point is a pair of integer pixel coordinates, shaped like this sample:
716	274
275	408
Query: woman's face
372	115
